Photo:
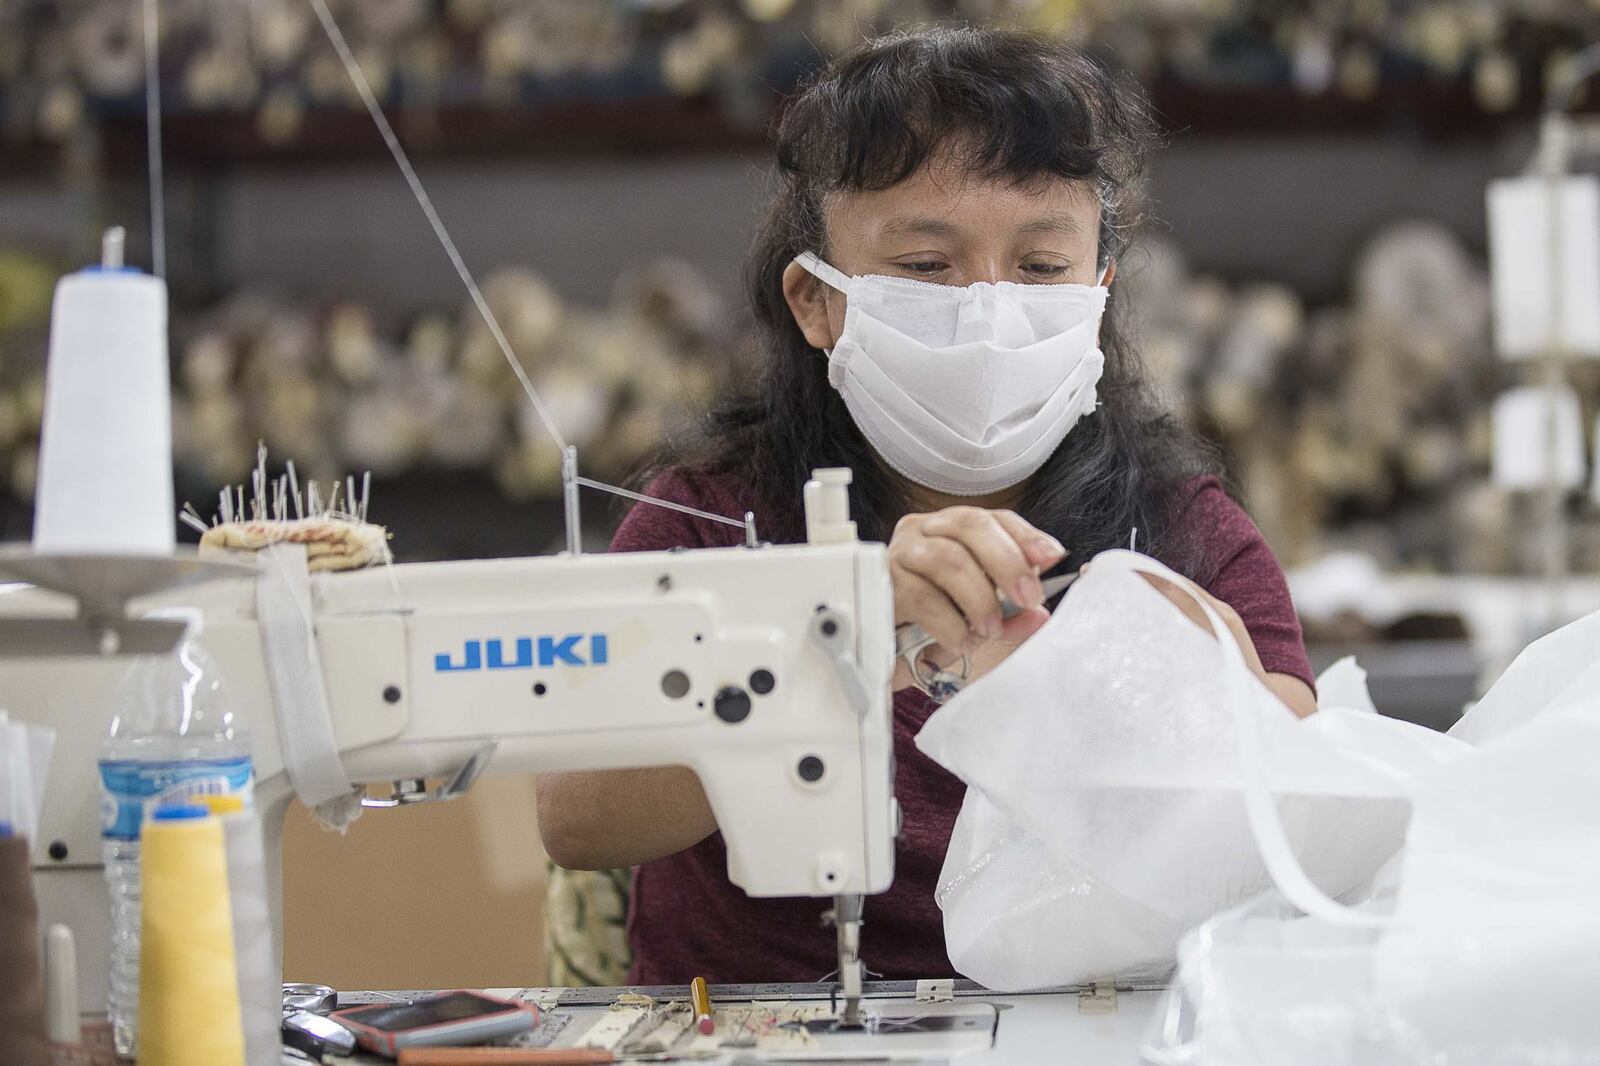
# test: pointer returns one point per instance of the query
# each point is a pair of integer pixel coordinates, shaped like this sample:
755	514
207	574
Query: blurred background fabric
1312	286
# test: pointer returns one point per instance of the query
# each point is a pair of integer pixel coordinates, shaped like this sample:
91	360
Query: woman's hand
946	567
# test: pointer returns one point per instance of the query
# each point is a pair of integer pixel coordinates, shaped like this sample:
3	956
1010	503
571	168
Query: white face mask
965	390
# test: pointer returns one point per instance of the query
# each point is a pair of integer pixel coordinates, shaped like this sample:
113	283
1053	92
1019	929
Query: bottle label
130	789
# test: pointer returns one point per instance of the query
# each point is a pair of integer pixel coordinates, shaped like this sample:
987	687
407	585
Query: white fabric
964	389
1128	776
1492	952
1497	931
1344	684
305	725
1557	672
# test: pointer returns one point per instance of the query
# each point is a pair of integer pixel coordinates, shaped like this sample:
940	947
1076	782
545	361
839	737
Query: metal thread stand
1555	153
569	496
1560	139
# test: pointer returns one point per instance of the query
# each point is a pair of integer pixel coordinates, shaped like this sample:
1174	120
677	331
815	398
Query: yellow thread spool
188	979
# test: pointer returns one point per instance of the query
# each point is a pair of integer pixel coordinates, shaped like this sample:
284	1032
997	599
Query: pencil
700	996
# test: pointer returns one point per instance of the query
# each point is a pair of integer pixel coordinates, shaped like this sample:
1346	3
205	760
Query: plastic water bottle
173	738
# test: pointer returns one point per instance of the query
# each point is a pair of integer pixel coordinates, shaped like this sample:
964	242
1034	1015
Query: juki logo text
526	653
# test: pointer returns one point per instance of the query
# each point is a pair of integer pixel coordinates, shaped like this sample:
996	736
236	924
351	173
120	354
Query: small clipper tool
911	641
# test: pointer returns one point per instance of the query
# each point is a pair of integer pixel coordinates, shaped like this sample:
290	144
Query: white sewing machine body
544	664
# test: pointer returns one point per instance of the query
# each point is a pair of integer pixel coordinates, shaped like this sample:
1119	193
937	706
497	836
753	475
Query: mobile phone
450	1018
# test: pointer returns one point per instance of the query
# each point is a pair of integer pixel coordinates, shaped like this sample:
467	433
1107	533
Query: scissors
939	682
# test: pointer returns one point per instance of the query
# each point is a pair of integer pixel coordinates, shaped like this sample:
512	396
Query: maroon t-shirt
686	918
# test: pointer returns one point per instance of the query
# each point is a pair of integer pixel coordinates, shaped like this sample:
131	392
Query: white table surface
1052	1029
1040	1028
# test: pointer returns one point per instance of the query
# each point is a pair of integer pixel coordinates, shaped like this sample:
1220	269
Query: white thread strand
657	501
331	28
152	124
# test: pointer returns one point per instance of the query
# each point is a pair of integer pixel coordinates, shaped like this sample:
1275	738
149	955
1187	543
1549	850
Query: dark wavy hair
1012	106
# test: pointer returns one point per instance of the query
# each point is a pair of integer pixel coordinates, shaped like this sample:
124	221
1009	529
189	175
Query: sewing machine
765	669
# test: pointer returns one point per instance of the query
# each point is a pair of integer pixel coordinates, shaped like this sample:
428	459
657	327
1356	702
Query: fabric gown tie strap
294	669
1272	841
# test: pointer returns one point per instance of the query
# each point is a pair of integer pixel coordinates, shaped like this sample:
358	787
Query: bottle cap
223	804
177	812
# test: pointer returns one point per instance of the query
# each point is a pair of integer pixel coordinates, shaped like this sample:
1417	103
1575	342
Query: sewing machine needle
847	927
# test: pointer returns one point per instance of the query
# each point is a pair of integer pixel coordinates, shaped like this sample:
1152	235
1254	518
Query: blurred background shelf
258	81
624	125
1429	682
605	124
474	131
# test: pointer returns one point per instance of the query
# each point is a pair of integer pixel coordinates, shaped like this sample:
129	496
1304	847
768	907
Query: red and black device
448	1019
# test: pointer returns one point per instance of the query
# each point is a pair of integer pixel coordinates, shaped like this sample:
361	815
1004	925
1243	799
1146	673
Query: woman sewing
935	188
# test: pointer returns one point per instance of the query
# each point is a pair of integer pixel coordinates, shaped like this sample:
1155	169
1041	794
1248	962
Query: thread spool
1524	419
105	452
1522	240
188	974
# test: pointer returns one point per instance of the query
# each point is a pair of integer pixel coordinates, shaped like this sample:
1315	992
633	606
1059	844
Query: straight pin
350	494
366	493
294	490
193	523
261	479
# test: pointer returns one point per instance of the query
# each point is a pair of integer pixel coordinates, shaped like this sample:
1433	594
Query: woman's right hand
946	567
